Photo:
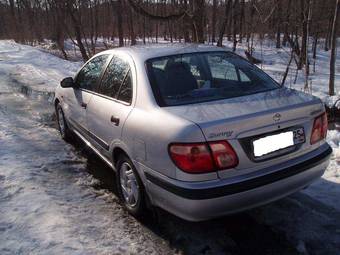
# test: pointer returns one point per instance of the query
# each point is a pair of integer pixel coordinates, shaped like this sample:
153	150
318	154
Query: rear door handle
83	105
115	120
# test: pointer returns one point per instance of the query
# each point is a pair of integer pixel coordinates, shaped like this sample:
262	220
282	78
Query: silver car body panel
252	115
146	129
196	201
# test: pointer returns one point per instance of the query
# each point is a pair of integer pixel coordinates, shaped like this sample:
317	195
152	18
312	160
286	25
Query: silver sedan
193	129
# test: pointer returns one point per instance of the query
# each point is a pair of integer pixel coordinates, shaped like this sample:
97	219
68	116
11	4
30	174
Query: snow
327	189
53	202
27	65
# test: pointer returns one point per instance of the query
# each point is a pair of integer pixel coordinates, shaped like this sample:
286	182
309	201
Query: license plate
277	142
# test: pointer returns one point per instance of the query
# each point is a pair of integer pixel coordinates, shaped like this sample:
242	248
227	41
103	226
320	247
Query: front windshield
199	77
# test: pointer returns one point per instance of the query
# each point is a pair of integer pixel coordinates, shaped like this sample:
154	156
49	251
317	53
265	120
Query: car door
86	82
108	110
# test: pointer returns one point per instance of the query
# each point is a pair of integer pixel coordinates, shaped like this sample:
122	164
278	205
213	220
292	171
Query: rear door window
114	77
125	92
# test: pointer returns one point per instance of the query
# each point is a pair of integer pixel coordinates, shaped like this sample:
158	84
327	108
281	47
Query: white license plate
273	143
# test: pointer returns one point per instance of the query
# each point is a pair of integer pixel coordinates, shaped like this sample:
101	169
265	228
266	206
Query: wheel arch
119	150
116	153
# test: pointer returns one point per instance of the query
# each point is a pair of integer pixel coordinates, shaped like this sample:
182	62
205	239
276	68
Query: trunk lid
240	119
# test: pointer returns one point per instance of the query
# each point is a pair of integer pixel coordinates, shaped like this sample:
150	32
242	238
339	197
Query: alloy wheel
129	185
61	122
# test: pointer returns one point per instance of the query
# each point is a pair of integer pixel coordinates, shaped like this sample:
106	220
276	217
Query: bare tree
14	20
235	14
224	23
213	22
287	23
278	23
71	8
333	48
242	20
309	15
84	21
305	5
118	10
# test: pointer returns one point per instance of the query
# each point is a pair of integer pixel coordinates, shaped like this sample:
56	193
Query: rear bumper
197	201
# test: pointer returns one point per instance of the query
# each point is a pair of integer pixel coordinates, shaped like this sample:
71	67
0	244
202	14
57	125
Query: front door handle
115	120
83	105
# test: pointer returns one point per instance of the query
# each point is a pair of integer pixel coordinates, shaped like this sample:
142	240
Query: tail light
319	130
223	154
192	157
203	157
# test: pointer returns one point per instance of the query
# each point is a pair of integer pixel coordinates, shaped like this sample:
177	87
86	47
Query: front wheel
130	187
65	132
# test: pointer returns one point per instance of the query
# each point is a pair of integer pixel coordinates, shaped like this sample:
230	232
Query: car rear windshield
205	76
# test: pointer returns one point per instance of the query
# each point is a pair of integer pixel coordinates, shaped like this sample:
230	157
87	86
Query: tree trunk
287	22
309	15
224	23
333	49
304	14
278	22
118	10
58	15
198	20
77	31
315	45
213	22
250	27
132	31
329	34
242	20
235	17
15	35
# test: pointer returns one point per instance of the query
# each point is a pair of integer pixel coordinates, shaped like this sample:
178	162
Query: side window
222	69
244	77
88	76
113	77
159	64
125	93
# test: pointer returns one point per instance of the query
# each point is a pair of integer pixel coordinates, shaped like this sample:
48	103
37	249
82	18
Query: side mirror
67	83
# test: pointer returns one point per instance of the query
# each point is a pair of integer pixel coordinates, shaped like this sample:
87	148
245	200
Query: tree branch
139	9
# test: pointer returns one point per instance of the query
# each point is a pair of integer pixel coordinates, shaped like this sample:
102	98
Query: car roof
148	51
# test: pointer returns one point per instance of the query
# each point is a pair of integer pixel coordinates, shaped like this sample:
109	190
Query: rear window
200	77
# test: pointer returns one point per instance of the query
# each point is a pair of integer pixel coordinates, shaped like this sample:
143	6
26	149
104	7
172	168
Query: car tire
63	128
130	187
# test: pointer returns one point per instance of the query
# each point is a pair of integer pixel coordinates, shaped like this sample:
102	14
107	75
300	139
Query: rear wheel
65	132
130	187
